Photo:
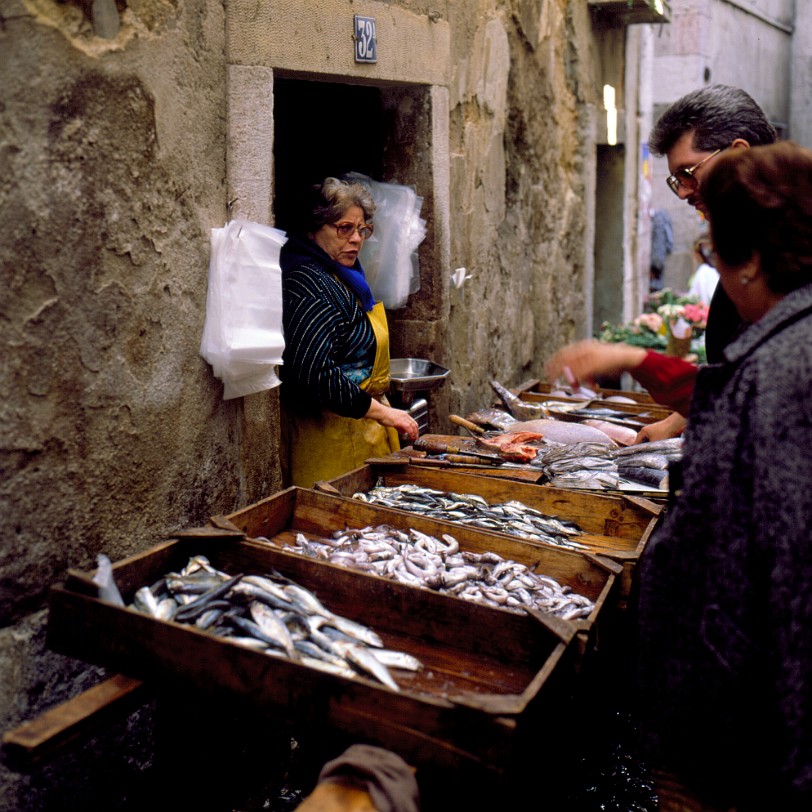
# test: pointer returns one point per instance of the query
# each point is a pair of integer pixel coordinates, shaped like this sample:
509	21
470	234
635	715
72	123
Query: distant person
662	244
705	277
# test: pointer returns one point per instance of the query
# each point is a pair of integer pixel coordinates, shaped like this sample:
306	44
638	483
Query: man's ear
740	143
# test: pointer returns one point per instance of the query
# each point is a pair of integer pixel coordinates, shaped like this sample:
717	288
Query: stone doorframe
314	40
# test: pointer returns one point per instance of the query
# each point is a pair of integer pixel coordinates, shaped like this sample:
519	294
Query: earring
745	280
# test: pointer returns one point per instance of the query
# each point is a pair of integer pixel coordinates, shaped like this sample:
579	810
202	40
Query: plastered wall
119	155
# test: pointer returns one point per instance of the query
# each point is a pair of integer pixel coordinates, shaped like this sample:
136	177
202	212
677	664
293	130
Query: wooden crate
616	526
280	517
490	676
645	413
422	460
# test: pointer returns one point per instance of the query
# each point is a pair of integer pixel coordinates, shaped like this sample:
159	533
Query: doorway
609	208
322	129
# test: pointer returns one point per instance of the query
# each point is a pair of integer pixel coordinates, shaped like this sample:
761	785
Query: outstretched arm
669	380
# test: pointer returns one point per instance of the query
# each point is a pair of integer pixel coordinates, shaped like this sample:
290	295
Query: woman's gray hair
332	197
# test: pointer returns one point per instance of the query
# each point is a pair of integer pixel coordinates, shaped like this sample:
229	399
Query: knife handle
466	424
432	446
464	459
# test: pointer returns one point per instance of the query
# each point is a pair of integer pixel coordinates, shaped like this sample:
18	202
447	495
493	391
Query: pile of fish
575	421
648	462
597	466
418	559
272	614
514	517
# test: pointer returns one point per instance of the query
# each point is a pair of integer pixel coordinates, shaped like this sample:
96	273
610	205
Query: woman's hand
402	421
583	361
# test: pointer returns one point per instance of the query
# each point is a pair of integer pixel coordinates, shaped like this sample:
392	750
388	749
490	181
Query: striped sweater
329	342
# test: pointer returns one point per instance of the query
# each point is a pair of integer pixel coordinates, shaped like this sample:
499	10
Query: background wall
522	97
735	42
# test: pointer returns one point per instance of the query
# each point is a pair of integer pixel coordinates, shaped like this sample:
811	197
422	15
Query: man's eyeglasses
686	177
346	230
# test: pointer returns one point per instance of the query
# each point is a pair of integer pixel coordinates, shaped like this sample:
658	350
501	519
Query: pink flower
651	321
697	314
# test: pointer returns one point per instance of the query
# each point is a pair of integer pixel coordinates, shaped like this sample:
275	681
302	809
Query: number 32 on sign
365	44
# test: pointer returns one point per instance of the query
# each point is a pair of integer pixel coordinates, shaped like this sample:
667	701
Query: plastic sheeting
389	257
242	335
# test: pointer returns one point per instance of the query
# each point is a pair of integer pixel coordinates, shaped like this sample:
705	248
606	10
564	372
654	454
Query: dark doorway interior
322	129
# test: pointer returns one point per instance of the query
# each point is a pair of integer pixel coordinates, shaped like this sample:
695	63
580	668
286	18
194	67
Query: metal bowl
415	374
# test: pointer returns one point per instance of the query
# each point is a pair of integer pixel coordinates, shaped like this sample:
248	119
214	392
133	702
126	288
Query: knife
439	447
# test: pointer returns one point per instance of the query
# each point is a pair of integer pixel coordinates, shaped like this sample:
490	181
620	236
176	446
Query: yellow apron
328	445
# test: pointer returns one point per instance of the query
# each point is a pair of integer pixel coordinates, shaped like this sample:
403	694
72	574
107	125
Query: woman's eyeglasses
686	177
346	230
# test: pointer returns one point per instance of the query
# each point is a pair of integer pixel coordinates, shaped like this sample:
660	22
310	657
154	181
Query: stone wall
113	430
523	89
113	171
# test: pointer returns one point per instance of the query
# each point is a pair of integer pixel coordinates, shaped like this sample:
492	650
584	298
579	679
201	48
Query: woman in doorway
335	370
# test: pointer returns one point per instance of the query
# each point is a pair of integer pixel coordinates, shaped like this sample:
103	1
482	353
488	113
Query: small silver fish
363	659
396	659
144	601
357	631
272	625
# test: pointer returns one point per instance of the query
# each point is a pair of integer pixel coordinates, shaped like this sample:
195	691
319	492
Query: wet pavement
602	768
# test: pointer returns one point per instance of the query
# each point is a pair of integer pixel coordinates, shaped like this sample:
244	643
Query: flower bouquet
670	322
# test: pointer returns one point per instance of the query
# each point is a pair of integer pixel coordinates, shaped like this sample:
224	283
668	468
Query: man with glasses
690	134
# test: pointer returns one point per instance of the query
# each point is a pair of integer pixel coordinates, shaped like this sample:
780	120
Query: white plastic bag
242	336
389	257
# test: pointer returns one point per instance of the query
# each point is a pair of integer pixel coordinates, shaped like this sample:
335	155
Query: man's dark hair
718	115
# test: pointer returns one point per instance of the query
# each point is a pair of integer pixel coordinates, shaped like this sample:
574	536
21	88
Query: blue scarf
300	249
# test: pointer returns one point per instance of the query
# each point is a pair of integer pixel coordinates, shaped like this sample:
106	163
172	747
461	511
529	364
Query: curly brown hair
760	202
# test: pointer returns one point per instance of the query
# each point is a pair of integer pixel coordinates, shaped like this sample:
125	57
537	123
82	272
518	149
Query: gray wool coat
725	585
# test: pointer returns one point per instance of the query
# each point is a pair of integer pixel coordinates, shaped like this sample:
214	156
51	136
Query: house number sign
365	45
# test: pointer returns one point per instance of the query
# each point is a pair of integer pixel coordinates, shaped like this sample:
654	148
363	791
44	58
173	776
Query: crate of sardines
442	681
615	526
457	562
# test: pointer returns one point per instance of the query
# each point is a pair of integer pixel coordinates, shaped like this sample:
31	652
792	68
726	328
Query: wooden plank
40	739
645	412
534	385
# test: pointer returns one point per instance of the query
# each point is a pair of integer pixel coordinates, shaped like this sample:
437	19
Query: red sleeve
668	379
